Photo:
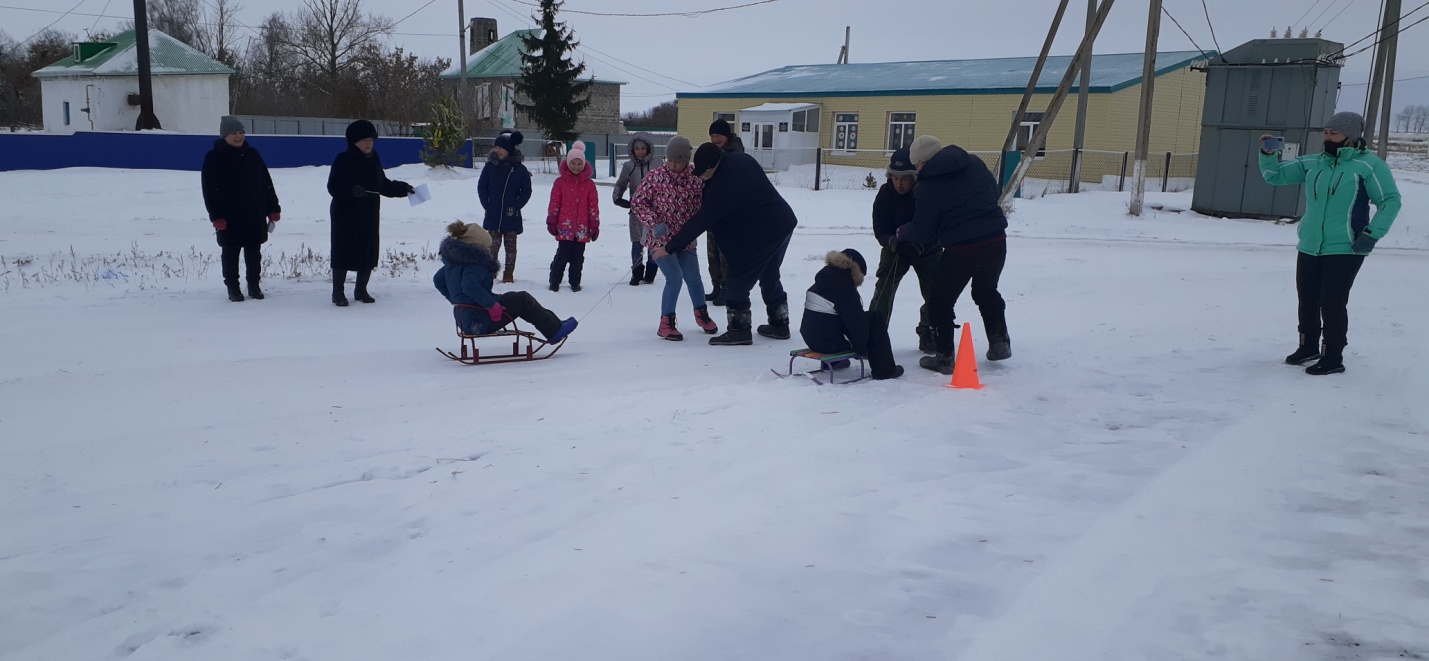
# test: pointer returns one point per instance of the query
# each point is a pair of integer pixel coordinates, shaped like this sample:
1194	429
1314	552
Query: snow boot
736	331
235	294
339	280
716	297
778	326
667	328
508	276
636	273
999	345
897	372
1306	352
254	292
927	342
1331	362
360	292
939	362
650	272
575	286
702	319
566	327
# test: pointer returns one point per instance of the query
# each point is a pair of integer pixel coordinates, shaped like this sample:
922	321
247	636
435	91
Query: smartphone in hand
1272	144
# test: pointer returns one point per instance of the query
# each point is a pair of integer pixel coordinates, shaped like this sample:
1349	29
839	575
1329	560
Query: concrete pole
1391	50
1377	78
1143	128
1080	137
147	118
1031	85
463	94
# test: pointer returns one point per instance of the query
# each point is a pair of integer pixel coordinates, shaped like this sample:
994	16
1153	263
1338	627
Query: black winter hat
706	157
857	259
360	130
901	164
721	127
508	141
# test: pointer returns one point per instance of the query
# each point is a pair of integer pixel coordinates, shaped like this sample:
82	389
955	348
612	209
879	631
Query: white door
764	144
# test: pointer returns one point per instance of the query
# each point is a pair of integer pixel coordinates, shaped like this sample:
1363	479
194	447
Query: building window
806	121
901	126
1027	127
66	106
845	130
726	116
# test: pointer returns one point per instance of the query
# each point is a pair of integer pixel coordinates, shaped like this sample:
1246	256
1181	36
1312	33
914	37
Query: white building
96	88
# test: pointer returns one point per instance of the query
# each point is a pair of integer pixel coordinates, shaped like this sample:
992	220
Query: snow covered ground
186	478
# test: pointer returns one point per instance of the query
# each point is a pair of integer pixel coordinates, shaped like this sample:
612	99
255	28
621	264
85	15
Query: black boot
1331	362
554	283
1307	351
927	341
234	293
650	272
717	296
737	331
339	279
999	344
778	326
254	292
360	292
636	273
938	362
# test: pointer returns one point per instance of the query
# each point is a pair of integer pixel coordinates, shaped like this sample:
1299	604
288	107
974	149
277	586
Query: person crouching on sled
465	279
834	319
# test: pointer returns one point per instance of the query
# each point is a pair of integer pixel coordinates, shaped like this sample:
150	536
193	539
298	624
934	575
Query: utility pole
464	93
1376	76
147	119
1080	138
843	52
1391	50
1082	58
1148	88
1011	140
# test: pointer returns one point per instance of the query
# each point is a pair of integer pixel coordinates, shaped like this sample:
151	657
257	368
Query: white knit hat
923	148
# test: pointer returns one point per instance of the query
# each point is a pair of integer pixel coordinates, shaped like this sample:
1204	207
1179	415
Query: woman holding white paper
355	184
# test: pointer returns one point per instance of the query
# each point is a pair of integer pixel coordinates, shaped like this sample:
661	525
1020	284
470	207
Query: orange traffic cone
965	368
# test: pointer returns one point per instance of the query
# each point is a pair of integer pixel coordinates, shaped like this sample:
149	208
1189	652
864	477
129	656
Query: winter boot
508	276
235	294
736	331
778	326
566	327
360	292
254	292
716	297
555	280
575	286
667	328
1331	362
702	319
650	272
1307	351
636	273
938	362
999	344
339	280
897	372
927	341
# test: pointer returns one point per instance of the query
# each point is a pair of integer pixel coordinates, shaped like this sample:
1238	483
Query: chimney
482	34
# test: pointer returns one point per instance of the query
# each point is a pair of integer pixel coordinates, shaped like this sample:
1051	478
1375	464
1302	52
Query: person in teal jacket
1336	233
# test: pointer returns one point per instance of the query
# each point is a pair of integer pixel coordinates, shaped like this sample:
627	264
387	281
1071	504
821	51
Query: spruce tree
445	136
550	80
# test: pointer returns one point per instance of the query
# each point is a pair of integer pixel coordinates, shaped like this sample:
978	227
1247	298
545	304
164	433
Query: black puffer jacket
355	220
238	189
834	320
956	202
743	209
890	212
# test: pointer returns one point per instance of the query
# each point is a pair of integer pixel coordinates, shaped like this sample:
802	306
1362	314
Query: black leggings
1323	284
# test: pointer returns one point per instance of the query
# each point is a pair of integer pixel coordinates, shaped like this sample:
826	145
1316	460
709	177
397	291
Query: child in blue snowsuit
465	279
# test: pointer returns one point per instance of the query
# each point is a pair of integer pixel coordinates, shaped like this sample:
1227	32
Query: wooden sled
826	361
525	346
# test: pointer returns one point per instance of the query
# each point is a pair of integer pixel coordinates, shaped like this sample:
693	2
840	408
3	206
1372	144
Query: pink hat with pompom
577	152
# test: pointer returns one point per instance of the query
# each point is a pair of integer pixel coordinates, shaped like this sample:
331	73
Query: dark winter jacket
956	202
238	189
890	212
504	188
465	278
834	319
355	220
743	209
735	145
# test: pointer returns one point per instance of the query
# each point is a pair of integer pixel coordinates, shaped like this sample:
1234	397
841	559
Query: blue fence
175	151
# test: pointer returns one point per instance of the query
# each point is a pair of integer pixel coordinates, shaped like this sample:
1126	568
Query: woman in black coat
355	182
239	195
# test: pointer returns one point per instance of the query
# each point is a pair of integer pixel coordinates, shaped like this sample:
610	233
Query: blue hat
901	165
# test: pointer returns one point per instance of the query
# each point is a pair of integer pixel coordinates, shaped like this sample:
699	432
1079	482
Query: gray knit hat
1349	123
923	148
230	124
678	149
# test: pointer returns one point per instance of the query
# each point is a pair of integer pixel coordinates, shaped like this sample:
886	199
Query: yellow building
860	113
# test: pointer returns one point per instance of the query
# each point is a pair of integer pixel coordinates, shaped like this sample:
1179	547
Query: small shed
96	88
772	128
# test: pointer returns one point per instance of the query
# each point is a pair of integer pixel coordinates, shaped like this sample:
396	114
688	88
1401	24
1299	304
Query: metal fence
1051	172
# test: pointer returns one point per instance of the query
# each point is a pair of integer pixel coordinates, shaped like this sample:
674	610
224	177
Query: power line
1337	14
1372	34
52	23
1398	31
1397	80
1217	42
399	22
683	82
687	14
1307	12
96	21
1188	35
1327	8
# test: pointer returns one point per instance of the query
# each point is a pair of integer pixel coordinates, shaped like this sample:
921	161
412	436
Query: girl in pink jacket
573	216
668	197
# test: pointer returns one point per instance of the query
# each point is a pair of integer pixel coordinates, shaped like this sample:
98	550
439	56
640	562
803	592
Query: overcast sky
662	55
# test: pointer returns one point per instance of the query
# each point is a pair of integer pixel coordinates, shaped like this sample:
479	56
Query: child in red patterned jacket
668	197
573	216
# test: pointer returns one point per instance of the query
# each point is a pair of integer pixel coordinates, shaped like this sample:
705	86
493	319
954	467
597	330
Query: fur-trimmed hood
455	251
853	263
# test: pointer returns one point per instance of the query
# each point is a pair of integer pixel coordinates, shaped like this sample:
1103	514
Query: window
1028	126
66	106
783	127
806	121
845	130
726	116
901	129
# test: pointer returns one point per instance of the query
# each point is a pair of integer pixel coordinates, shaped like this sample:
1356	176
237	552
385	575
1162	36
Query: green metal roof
119	56
500	60
1110	73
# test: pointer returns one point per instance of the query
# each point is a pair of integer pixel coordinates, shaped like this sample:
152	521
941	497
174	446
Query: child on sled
465	279
834	320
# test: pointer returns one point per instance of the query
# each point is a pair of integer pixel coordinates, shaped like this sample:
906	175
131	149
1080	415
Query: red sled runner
525	346
826	366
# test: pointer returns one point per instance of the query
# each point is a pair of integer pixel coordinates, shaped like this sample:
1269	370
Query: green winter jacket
1338	192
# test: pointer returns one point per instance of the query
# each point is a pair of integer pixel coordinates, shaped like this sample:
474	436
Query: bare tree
1421	118
180	19
666	114
328	35
220	34
19	91
1404	118
400	87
